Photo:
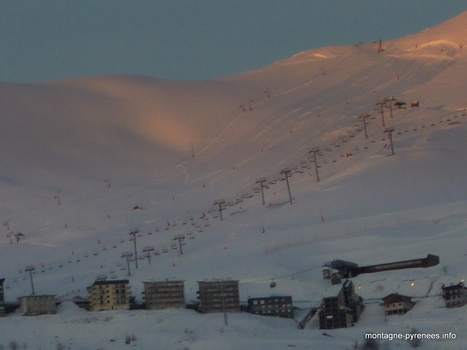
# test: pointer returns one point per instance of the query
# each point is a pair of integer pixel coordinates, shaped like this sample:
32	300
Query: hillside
86	161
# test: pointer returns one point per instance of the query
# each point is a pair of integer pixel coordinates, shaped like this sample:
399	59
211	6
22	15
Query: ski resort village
316	203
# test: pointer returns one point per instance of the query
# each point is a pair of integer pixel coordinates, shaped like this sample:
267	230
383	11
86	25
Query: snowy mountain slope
88	160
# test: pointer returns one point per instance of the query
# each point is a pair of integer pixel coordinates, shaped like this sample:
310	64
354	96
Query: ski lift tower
315	150
181	242
31	268
148	251
127	255
363	117
390	130
134	233
381	110
388	104
220	203
261	181
286	172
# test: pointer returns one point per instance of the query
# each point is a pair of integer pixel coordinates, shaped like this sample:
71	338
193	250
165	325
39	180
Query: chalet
397	304
34	305
454	295
2	298
164	294
341	307
279	306
219	296
109	295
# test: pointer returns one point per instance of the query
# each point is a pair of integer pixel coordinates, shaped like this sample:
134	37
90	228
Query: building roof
341	264
332	291
37	296
395	298
219	281
97	283
271	297
453	286
348	283
165	281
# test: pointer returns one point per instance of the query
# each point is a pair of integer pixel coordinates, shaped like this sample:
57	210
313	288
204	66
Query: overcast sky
192	39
